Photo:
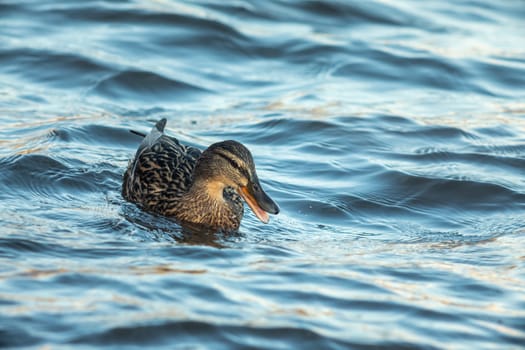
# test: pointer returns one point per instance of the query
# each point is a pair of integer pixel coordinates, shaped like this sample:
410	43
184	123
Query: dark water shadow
160	228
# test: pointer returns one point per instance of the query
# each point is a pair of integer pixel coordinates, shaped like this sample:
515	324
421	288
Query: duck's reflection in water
199	235
158	228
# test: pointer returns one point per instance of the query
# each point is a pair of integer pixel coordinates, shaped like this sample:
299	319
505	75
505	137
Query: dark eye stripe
234	164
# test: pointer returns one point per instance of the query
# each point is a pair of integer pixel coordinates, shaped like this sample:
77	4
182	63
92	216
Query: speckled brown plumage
194	187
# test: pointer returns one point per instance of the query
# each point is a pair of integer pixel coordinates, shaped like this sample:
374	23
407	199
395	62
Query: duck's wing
161	170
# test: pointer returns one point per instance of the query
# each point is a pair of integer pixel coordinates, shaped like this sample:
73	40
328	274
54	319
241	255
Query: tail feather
161	124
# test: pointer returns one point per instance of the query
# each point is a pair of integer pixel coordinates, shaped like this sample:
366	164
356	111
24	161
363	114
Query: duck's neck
204	204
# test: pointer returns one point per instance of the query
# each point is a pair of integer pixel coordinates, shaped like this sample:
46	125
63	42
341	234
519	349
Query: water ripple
135	84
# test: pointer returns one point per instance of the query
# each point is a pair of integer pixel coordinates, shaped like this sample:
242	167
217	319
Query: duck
193	187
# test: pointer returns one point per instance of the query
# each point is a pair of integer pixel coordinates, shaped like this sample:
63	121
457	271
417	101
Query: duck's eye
256	188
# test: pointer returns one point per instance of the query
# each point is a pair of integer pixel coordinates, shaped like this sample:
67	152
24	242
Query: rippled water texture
391	133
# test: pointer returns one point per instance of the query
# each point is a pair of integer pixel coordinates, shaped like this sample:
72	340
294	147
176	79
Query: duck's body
194	187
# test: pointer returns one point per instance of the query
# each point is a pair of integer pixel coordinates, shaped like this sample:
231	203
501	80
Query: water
392	135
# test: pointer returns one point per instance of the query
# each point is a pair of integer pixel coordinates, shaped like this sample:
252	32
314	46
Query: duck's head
230	164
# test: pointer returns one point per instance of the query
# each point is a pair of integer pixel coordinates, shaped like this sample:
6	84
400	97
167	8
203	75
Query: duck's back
160	172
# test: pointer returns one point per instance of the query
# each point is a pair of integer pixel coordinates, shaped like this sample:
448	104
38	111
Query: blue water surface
391	133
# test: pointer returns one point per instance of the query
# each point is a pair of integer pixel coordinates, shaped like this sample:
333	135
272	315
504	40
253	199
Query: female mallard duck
194	187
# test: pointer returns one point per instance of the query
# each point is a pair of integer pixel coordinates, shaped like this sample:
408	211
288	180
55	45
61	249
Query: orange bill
252	203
